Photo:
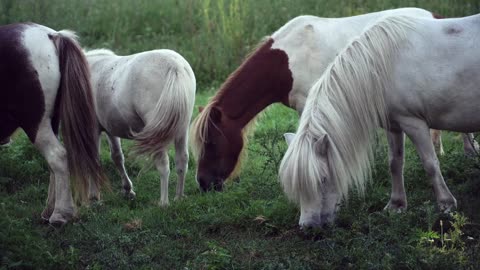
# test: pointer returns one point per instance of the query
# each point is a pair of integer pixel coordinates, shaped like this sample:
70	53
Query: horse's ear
200	109
215	114
322	144
289	137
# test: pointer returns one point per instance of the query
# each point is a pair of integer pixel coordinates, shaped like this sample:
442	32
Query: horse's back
311	43
331	28
437	73
29	76
128	87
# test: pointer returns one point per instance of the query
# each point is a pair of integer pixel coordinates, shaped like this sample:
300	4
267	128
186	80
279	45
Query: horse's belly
121	125
459	121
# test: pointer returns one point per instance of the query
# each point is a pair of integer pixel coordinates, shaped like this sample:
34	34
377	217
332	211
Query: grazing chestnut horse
147	97
282	69
45	80
391	76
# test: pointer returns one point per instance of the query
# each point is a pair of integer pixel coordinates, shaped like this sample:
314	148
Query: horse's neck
264	78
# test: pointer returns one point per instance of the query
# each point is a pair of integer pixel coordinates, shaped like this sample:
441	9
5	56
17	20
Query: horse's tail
174	108
77	115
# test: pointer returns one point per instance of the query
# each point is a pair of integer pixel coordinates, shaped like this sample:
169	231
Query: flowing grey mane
347	103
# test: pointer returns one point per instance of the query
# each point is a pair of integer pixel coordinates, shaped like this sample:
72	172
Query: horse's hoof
46	214
180	197
129	195
58	220
163	204
396	206
447	206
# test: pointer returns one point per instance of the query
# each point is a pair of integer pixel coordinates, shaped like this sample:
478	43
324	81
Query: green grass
251	225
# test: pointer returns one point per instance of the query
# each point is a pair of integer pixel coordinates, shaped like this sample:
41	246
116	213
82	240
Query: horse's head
307	179
219	143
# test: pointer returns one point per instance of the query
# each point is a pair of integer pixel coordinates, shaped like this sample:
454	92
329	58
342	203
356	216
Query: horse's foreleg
418	132
437	141
181	164
470	146
119	160
398	198
161	162
56	156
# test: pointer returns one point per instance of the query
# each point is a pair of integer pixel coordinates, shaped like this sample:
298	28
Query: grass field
250	225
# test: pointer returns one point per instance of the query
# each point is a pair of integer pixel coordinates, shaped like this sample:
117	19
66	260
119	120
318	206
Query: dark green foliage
213	35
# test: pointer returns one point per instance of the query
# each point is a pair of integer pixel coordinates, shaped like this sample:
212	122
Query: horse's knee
57	159
431	167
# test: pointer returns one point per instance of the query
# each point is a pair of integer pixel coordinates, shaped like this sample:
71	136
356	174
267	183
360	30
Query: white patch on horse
147	97
312	43
44	59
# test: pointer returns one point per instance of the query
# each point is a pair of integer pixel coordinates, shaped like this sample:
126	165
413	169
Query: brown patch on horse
77	113
22	102
437	16
262	79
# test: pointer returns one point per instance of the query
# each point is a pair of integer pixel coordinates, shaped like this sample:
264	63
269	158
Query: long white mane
347	103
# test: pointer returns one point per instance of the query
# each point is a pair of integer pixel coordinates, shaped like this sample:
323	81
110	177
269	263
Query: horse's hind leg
398	198
119	160
437	141
418	132
181	164
56	156
162	164
470	146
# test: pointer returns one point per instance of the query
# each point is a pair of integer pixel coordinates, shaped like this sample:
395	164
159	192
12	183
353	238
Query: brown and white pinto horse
282	69
45	80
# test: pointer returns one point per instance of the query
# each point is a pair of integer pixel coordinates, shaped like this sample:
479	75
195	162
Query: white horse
147	97
404	74
44	80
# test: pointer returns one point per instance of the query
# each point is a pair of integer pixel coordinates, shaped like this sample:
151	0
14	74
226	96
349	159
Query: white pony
147	97
404	74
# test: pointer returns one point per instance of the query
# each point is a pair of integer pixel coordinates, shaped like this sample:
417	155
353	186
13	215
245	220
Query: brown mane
242	80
